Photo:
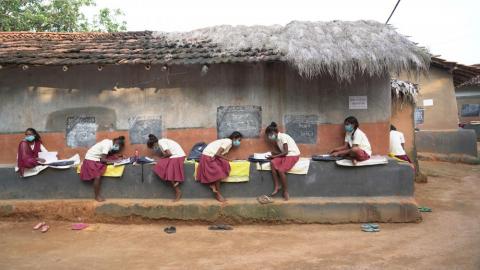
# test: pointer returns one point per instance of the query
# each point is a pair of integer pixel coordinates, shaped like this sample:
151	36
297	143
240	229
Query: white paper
427	102
48	156
357	102
261	155
121	162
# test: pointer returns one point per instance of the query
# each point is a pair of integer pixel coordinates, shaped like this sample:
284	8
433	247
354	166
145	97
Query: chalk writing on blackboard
302	128
142	125
81	131
469	110
419	115
245	119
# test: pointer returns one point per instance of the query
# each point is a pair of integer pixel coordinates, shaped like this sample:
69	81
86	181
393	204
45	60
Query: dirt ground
448	238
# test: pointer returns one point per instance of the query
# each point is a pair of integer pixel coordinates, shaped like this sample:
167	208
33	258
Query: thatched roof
340	49
404	91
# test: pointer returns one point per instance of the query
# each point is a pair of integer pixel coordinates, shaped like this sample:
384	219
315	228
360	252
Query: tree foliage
56	16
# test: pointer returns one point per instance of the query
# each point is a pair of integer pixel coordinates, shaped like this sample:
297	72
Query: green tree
56	16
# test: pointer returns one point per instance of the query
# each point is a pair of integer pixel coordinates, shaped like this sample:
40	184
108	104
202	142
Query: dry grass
338	48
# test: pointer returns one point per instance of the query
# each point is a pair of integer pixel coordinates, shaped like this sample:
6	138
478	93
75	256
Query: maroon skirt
284	164
170	169
92	169
211	169
404	157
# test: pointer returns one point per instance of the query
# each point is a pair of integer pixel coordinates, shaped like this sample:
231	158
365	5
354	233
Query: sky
449	28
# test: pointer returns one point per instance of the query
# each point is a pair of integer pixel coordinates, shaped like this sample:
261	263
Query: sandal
424	209
79	226
370	225
220	227
170	230
44	228
264	199
39	225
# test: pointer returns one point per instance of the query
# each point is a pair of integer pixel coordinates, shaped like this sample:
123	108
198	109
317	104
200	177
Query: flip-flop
44	228
39	225
264	199
370	229
170	230
79	226
370	225
424	209
220	227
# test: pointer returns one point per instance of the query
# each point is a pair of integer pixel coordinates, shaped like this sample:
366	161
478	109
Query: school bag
196	151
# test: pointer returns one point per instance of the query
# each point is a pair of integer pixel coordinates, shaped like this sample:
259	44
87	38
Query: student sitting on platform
96	162
170	165
397	144
356	146
28	149
214	165
283	158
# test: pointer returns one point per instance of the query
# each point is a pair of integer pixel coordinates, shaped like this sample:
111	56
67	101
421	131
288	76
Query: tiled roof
461	73
118	48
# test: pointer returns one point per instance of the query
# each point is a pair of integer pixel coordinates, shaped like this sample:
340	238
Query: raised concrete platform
447	142
327	194
324	179
297	210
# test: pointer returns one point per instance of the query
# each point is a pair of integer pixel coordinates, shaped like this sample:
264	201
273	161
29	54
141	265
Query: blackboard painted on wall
245	119
142	125
81	131
469	110
302	128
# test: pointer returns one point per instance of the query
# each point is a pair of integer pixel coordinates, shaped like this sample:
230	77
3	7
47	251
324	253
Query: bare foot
275	191
213	188
219	197
99	199
354	162
286	196
178	195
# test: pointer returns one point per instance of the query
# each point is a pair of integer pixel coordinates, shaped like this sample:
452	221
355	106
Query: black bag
196	151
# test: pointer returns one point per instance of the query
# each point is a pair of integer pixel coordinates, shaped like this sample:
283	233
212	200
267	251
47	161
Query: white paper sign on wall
427	102
357	102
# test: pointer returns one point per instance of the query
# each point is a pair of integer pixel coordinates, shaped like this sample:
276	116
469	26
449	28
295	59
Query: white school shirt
101	148
360	139
396	140
172	146
282	139
212	148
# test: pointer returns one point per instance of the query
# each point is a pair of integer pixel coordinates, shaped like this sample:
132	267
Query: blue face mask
348	128
272	137
156	148
30	138
115	147
236	143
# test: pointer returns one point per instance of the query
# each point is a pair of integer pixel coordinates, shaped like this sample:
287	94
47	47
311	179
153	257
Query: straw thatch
404	91
338	48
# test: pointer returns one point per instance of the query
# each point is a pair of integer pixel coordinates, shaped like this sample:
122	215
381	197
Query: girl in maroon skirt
214	165
169	166
96	161
356	146
283	158
28	149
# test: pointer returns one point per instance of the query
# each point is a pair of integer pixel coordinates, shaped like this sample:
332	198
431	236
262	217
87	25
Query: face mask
273	137
348	128
115	147
30	138
156	148
236	143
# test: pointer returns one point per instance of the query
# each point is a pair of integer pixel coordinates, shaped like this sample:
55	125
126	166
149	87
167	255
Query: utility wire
391	14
